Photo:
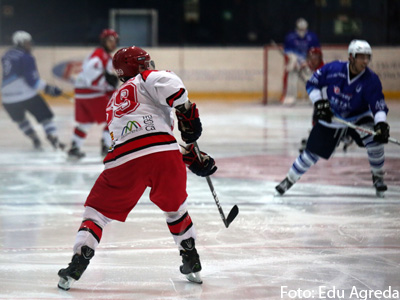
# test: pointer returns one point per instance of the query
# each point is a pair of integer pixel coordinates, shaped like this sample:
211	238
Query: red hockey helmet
314	58
108	32
127	61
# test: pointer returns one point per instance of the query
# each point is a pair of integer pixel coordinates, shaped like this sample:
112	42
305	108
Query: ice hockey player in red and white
93	88
144	153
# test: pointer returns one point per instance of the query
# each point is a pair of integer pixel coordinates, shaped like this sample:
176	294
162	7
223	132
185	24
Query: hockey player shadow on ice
21	88
352	92
142	158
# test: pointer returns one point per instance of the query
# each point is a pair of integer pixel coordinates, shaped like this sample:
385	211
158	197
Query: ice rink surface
328	236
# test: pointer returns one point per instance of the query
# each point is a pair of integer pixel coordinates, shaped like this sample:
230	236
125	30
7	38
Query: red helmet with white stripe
127	62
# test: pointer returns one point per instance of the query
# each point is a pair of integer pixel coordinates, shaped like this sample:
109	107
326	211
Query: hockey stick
64	95
234	211
363	129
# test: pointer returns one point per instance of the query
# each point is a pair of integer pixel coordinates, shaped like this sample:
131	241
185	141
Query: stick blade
232	215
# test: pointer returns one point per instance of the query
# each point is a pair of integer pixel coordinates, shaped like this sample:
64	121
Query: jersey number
122	102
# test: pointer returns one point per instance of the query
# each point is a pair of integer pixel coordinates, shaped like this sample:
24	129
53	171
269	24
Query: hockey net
274	64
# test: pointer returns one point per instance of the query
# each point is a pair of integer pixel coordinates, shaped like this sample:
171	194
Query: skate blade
380	194
65	284
194	277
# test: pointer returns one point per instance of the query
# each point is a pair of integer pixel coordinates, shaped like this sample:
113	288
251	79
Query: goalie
144	154
296	47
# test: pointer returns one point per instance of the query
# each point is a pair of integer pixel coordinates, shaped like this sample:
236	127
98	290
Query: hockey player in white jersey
20	90
144	154
352	92
93	88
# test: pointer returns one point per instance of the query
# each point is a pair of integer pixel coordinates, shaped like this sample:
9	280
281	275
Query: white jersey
91	82
139	116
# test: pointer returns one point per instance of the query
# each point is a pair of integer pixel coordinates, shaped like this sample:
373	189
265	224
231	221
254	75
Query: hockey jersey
140	117
350	99
300	45
91	81
21	79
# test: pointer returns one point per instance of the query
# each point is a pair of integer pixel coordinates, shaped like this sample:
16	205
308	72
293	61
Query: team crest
336	90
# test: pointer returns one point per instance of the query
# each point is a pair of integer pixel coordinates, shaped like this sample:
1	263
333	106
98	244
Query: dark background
216	22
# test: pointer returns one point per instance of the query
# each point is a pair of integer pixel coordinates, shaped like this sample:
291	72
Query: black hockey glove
111	79
322	111
189	124
192	161
52	90
382	132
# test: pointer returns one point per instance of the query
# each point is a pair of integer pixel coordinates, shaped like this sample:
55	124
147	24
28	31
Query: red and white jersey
140	117
91	82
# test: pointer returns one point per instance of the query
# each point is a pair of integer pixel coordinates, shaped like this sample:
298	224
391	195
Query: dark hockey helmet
127	61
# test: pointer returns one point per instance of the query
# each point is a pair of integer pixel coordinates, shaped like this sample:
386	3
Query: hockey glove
189	124
382	132
111	79
52	90
322	111
192	161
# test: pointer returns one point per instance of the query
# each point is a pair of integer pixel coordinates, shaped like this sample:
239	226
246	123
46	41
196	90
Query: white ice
328	232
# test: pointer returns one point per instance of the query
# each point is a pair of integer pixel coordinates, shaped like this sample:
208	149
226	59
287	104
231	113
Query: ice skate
284	186
191	261
55	142
75	153
379	185
75	268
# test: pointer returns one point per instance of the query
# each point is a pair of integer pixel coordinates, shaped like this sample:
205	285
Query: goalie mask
128	62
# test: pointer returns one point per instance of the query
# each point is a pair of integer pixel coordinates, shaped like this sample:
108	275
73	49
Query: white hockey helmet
301	27
20	37
359	47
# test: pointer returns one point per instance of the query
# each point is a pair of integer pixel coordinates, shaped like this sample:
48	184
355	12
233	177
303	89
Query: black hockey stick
363	129
234	211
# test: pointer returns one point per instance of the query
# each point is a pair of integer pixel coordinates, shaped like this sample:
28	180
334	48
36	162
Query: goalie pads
192	161
189	123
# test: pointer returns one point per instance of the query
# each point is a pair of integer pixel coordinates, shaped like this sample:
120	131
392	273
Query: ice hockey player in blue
296	46
20	91
352	92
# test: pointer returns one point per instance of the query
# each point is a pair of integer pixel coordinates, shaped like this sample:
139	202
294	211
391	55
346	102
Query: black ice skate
75	153
37	144
55	142
191	261
284	186
75	268
379	185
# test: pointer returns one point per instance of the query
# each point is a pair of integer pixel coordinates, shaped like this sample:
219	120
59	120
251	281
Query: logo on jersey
336	90
358	88
131	127
149	123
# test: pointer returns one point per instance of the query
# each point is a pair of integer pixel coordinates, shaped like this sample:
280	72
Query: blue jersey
349	99
21	79
300	45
